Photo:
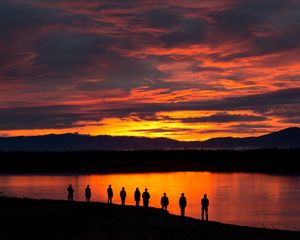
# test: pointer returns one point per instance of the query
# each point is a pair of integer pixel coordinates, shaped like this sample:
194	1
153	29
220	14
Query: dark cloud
163	130
224	118
189	31
62	50
55	117
234	130
261	103
158	18
20	16
268	26
65	51
66	116
258	102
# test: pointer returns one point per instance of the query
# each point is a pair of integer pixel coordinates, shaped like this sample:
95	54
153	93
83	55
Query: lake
251	199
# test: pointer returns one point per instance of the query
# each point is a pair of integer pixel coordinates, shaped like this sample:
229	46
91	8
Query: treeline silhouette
263	160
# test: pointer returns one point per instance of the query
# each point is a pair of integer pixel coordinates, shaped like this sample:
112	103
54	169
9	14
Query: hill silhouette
286	138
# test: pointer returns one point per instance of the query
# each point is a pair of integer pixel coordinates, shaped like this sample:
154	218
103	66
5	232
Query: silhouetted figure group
123	195
182	204
70	193
146	197
110	194
137	197
204	207
88	193
164	202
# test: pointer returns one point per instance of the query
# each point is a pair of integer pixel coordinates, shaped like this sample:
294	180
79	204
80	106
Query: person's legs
206	213
182	212
202	213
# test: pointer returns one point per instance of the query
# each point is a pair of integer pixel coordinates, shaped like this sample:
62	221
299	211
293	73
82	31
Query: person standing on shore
137	196
146	197
123	195
110	194
70	193
88	193
182	204
164	202
204	204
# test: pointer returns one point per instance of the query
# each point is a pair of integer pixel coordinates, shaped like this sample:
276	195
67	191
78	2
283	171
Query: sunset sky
182	69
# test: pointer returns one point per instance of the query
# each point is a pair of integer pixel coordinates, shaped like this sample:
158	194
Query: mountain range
286	138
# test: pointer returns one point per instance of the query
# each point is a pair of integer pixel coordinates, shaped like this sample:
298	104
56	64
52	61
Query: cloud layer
181	69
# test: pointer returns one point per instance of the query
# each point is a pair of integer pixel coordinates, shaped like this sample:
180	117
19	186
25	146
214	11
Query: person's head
88	186
164	194
205	195
123	188
146	189
109	185
182	194
137	189
70	185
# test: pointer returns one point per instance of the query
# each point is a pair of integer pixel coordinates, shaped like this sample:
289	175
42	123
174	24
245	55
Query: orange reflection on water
238	198
157	183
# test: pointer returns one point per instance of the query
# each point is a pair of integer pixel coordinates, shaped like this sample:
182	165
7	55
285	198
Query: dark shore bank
53	219
279	161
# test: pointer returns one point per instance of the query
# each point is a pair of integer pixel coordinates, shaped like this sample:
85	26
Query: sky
182	69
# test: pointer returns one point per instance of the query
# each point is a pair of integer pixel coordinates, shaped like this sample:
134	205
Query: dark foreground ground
49	219
282	161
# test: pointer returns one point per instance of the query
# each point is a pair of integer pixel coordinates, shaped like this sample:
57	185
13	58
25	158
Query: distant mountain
287	138
77	142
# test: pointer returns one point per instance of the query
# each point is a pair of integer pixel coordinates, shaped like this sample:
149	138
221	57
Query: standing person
164	202
110	194
204	204
146	197
88	193
123	195
182	204
137	196
70	193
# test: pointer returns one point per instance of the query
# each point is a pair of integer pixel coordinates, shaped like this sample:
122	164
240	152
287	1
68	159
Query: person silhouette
164	202
88	193
123	195
110	194
182	204
204	204
137	196
146	197
70	193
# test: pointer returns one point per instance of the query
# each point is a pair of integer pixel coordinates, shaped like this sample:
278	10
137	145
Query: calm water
261	200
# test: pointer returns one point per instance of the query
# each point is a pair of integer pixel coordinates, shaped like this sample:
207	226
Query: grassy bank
264	160
52	219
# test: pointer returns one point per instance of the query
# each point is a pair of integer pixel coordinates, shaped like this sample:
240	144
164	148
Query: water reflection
239	198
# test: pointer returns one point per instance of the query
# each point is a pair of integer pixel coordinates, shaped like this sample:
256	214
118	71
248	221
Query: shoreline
60	218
